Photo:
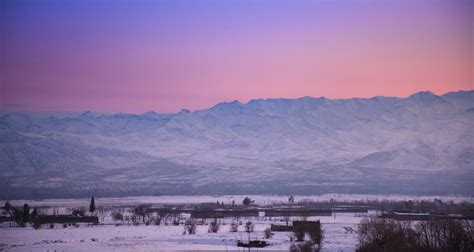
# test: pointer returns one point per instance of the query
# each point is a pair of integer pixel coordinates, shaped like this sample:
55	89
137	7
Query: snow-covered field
339	229
163	238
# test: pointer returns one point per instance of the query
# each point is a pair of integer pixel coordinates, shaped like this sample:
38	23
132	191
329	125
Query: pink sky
168	55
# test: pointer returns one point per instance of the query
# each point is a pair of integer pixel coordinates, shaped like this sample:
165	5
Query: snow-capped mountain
420	144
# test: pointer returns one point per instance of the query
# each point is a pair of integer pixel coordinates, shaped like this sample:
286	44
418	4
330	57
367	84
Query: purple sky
136	56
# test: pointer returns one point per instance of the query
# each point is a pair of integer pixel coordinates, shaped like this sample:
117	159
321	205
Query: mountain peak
150	113
313	99
88	114
425	97
423	94
184	111
16	120
227	108
460	94
232	104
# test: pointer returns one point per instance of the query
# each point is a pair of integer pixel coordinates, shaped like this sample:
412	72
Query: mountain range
422	144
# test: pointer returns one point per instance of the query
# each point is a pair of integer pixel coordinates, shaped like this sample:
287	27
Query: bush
190	226
247	201
158	220
249	227
26	214
34	214
18	216
214	226
268	233
142	211
81	212
234	227
117	216
135	220
36	225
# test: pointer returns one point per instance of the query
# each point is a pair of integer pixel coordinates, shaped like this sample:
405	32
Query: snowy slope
420	144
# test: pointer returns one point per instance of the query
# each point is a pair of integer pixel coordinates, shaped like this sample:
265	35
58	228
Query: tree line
437	235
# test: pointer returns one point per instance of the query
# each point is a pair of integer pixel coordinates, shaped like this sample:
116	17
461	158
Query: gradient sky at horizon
165	55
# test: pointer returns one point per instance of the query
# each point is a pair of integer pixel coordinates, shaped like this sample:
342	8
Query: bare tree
439	235
142	211
234	227
444	235
158	219
381	234
117	216
247	201
287	217
291	199
190	226
268	233
249	226
214	226
81	211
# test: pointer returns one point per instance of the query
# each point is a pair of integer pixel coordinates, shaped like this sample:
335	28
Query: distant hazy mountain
420	144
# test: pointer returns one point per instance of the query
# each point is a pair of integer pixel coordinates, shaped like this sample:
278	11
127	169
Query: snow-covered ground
338	237
339	229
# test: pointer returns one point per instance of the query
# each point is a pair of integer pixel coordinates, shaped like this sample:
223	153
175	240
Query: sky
164	55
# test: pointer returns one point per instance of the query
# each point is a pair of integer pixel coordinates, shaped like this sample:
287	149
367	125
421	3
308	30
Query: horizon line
209	107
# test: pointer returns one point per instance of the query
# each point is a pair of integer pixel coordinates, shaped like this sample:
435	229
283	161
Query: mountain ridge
235	146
